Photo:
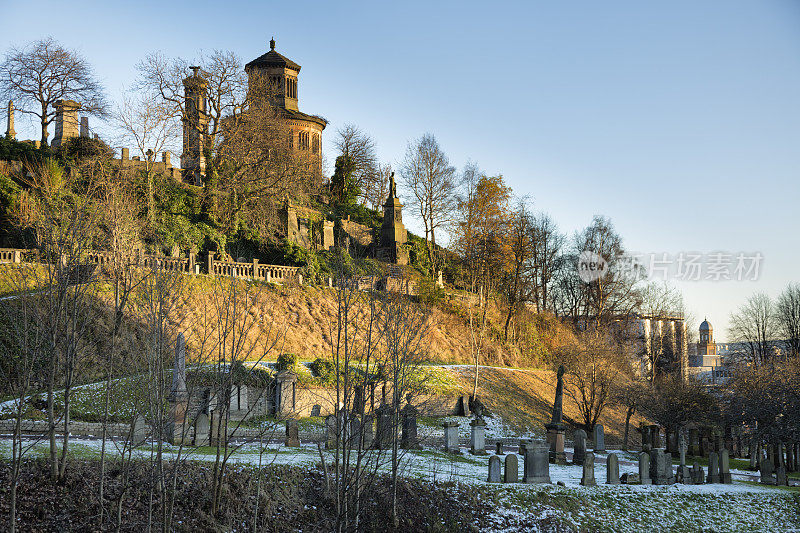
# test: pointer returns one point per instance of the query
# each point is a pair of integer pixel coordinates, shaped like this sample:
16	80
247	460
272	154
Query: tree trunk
628	416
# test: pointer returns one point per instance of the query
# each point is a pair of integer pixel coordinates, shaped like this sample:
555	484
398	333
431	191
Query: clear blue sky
678	120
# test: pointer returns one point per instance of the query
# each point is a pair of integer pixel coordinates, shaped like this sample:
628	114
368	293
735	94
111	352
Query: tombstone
658	467
644	468
668	472
556	430
330	432
178	397
511	470
713	467
356	432
498	448
587	479
218	431
579	446
285	393
672	440
724	467
138	431
464	405
408	438
451	437
316	410
684	474
630	478
477	442
612	469
359	402
368	427
655	436
383	430
645	434
599	439
537	463
780	476
494	469
766	472
201	430
292	433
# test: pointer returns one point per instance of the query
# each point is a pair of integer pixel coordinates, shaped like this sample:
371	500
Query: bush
321	368
287	361
429	292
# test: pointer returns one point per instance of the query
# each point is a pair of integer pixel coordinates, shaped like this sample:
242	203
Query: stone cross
511	472
494	469
579	447
612	469
587	479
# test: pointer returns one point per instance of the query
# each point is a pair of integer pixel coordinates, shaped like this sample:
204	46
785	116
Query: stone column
178	397
10	132
556	430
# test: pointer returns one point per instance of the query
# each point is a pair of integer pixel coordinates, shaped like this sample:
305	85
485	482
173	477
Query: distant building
706	361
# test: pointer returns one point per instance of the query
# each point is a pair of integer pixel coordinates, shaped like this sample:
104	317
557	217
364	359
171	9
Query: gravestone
645	432
713	467
178	397
285	394
383	428
494	469
766	472
451	437
464	404
537	463
138	431
292	433
368	427
612	469
668	472
408	438
658	467
579	447
556	430
587	479
201	430
644	468
724	467
511	471
477	443
780	476
629	478
498	448
599	439
684	474
356	434
316	410
330	432
697	477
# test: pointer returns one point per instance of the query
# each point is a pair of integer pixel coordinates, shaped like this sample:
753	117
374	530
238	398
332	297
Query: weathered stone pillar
451	437
285	394
556	430
178	397
587	479
477	436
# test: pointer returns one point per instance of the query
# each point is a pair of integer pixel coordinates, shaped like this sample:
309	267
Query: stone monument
178	397
556	430
579	447
511	471
587	479
612	469
599	439
537	463
494	469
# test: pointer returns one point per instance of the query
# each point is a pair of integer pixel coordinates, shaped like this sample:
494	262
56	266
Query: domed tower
706	348
281	75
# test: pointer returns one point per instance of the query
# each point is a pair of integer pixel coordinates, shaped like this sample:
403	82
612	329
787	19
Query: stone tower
393	232
195	127
706	348
10	133
67	123
275	77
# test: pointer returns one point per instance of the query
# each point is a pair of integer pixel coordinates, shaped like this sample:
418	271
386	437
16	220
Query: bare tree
660	302
43	72
350	141
517	283
547	246
753	325
787	316
431	181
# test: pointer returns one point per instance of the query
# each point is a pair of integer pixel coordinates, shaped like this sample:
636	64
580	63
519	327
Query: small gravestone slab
780	476
644	468
766	472
725	467
138	431
713	467
599	438
316	410
630	478
579	447
612	469
588	471
537	463
201	430
494	469
292	433
511	471
330	431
